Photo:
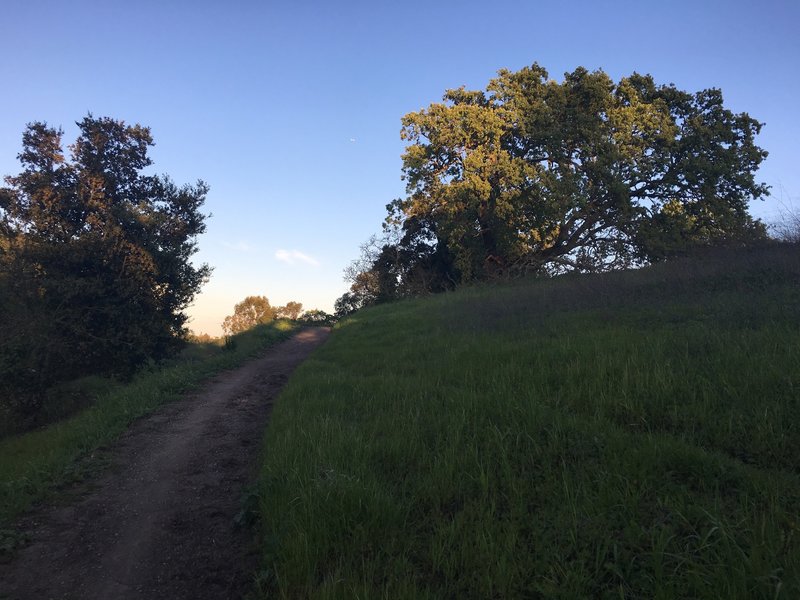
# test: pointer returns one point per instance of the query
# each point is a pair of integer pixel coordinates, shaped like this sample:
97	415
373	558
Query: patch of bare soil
160	522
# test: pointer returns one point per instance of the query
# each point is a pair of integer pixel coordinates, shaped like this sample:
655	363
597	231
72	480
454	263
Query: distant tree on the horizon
536	176
252	311
200	337
291	311
316	317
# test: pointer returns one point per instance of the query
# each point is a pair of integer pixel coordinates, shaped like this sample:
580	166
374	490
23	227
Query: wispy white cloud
292	257
240	246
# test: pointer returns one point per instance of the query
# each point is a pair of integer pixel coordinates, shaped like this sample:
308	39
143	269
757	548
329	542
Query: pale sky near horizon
291	111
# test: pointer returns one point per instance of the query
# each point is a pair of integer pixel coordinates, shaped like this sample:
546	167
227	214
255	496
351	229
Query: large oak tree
586	174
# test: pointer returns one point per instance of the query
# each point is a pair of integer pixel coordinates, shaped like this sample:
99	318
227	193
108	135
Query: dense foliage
95	256
536	176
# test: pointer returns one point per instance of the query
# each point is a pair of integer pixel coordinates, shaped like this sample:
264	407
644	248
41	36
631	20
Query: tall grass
34	464
632	435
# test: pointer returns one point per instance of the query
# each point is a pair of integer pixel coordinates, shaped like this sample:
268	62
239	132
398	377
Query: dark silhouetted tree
95	263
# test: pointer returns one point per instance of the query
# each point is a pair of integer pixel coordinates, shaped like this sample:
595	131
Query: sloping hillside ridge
631	435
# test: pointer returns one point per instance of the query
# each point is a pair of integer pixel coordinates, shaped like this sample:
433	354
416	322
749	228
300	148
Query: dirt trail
160	522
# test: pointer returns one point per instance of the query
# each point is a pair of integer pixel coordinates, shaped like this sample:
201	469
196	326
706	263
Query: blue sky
291	110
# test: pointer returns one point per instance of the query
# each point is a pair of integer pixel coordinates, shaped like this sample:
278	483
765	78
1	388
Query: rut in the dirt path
160	522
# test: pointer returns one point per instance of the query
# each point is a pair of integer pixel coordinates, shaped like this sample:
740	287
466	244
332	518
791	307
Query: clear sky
291	110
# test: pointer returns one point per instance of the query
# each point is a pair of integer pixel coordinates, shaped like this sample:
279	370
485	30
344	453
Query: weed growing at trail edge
631	435
33	464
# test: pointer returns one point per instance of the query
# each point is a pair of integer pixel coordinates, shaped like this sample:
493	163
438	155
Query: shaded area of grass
632	435
59	402
36	463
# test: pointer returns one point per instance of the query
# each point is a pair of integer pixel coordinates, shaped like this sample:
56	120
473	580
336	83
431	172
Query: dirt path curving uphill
160	522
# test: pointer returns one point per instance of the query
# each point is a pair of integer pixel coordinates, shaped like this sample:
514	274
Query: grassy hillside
34	464
632	435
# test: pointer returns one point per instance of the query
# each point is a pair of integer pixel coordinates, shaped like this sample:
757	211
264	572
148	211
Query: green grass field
631	435
34	464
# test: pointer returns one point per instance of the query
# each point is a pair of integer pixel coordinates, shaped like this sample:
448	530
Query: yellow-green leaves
533	172
636	124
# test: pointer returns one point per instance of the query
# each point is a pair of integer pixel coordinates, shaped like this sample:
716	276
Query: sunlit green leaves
534	174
